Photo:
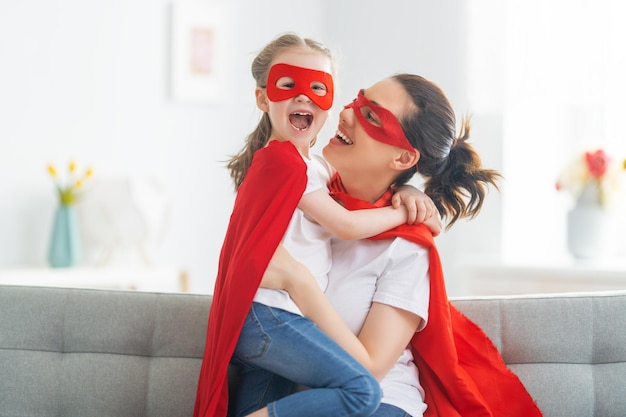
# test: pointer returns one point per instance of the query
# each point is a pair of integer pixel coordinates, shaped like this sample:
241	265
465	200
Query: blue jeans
277	349
388	410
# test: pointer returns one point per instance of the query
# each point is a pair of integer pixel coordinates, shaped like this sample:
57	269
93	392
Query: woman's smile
343	138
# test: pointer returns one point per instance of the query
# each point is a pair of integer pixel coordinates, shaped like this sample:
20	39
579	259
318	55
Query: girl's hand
420	207
434	224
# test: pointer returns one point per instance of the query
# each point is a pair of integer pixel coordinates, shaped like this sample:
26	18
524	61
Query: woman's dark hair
453	173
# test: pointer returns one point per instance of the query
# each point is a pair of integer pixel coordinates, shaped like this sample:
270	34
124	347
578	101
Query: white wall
89	80
430	39
555	90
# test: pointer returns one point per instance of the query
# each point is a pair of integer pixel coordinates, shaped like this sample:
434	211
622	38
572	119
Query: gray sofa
97	353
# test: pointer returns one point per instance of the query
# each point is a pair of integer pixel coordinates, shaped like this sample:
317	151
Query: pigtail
239	163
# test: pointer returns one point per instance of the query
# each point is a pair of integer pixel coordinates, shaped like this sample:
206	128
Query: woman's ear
261	99
406	160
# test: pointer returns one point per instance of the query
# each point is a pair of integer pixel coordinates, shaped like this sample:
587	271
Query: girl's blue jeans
277	349
387	410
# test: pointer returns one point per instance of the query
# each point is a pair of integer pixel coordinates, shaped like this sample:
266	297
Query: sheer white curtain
554	72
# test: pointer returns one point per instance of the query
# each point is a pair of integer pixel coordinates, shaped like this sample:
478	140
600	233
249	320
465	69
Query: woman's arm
385	333
286	273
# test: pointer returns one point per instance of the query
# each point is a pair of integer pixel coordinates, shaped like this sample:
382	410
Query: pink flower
558	186
593	175
597	163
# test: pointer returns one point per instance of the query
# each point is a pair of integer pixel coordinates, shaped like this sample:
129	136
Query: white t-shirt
306	241
393	272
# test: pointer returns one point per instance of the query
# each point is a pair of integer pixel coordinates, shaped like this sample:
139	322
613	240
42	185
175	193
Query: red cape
461	371
264	205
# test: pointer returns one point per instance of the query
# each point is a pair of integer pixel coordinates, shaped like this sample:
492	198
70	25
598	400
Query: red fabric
387	128
303	81
461	371
263	207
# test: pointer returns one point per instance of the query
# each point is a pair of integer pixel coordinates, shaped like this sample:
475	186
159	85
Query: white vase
590	232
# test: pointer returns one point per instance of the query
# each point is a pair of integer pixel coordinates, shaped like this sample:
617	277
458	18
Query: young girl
281	199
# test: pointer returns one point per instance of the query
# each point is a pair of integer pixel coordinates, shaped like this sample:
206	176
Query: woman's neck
365	188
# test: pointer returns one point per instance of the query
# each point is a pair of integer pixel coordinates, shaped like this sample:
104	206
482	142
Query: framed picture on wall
199	47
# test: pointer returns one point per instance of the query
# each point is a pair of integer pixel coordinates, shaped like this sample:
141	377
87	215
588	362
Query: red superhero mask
385	129
304	79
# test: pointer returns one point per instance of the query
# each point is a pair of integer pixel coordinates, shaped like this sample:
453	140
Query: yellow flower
68	190
52	170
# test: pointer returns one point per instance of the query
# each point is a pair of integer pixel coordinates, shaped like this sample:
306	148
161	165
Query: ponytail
460	188
453	173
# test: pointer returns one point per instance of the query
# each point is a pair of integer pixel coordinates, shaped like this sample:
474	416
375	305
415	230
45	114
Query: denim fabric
388	410
274	341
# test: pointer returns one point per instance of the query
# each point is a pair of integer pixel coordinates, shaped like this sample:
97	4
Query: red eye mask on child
386	129
303	81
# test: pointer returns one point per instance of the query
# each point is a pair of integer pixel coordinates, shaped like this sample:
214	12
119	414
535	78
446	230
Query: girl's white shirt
306	241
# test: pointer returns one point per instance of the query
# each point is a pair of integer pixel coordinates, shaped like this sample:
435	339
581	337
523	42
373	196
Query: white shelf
491	277
156	279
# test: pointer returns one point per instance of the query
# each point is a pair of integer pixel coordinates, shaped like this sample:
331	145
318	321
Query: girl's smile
301	120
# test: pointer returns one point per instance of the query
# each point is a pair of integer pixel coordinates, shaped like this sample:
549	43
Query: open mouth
340	136
301	121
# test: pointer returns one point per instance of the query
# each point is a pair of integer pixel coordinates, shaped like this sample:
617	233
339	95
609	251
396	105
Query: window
554	72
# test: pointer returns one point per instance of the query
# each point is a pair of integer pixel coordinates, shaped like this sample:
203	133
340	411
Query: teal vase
65	249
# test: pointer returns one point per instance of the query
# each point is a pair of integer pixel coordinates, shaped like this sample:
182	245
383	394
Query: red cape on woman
265	203
461	371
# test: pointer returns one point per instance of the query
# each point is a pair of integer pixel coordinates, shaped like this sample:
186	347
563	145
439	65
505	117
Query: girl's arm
385	333
347	224
410	205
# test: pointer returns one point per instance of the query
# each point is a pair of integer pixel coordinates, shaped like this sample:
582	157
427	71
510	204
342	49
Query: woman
390	291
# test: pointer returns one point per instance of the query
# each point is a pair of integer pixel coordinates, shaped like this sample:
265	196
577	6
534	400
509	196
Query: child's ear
261	99
406	160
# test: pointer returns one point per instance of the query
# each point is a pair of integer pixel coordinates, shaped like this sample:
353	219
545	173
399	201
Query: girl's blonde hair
238	164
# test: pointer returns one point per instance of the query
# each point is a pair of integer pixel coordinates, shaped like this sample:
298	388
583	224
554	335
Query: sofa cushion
99	353
568	349
76	353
